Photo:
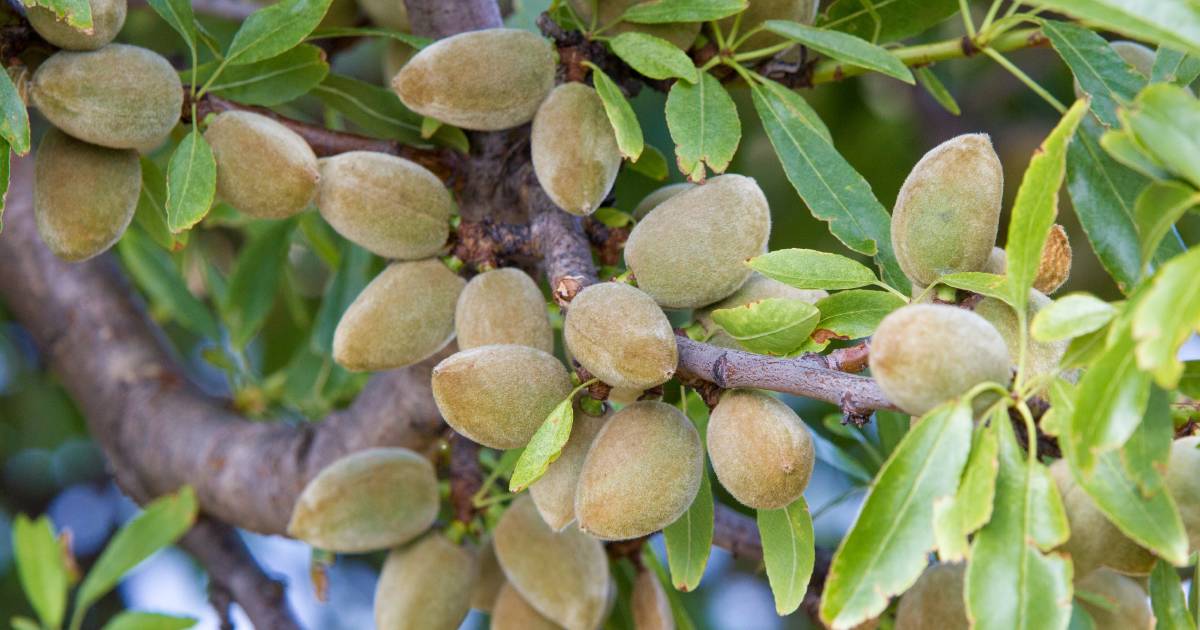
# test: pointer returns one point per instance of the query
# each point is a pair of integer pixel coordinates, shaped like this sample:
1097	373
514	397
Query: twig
234	575
439	19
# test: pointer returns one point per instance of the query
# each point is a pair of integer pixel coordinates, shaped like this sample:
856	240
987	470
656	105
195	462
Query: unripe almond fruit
1183	480
1126	606
503	306
563	575
642	472
760	449
935	600
759	11
372	499
756	289
651	608
1094	541
108	16
389	205
426	586
575	154
925	354
119	96
264	169
84	196
948	210
554	492
391	14
512	612
491	578
682	34
692	249
651	201
483	80
1042	358
499	395
403	316
621	336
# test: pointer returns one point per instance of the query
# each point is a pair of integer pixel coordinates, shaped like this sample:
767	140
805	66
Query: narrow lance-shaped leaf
936	89
327	32
1157	210
1101	72
40	568
178	15
955	518
191	182
833	190
269	82
274	29
545	446
624	121
348	281
1012	584
1173	66
156	274
1166	317
1172	22
77	13
885	550
1145	453
788	553
1036	206
1111	399
14	118
139	620
897	19
5	173
704	124
689	539
1163	121
1070	316
843	47
255	278
795	105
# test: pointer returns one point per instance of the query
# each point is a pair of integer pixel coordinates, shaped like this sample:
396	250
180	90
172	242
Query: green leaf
178	15
1166	317
544	447
856	314
988	284
326	32
269	82
161	523
151	214
654	57
77	13
683	620
154	271
704	124
1111	398
1171	22
667	11
788	552
1158	208
1163	119
1011	583
796	106
651	163
847	48
1071	315
5	172
1166	597
1145	453
14	118
1124	148
956	517
1103	193
1100	71
812	269
138	620
24	623
40	568
377	110
253	283
689	539
191	182
833	190
274	29
885	550
937	90
778	326
351	277
1173	66
620	114
898	19
1036	206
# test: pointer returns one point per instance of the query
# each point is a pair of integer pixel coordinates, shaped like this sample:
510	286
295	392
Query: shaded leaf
620	114
40	568
1070	316
937	90
178	15
651	163
843	47
704	124
348	281
151	214
654	57
14	118
899	19
667	11
1166	598
253	283
1157	210
544	447
191	182
274	29
269	82
778	326
1173	66
377	110
1166	317
154	271
1111	398
788	553
1100	71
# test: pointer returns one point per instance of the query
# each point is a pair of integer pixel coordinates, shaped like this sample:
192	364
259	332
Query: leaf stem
717	37
991	15
733	31
742	40
965	10
894	291
764	52
1026	79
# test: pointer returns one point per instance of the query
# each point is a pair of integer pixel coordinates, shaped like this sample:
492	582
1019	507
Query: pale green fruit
1042	358
499	395
554	492
264	169
651	608
372	499
681	34
575	154
485	593
512	612
948	210
563	575
760	449
426	586
803	11
1128	606
389	205
692	249
621	336
935	601
756	289
642	472
108	16
119	96
651	201
925	354
1095	541
483	80
503	306
390	14
402	317
84	196
1183	480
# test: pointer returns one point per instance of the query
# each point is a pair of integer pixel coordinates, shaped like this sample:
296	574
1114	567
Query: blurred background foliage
49	463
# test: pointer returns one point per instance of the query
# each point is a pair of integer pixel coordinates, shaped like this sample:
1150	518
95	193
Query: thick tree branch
438	18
